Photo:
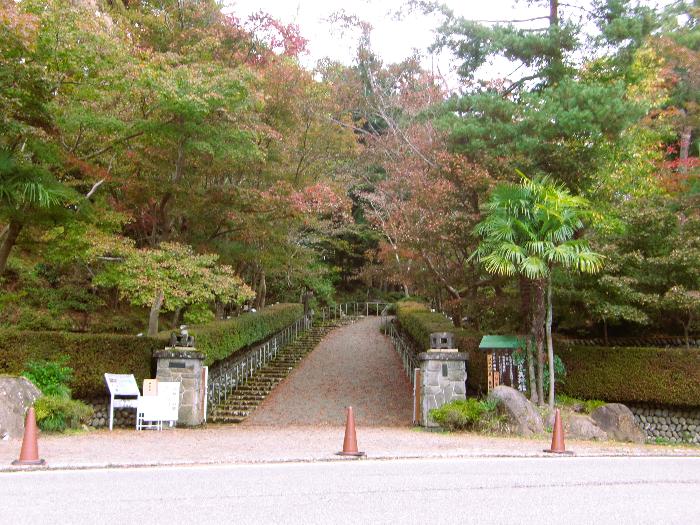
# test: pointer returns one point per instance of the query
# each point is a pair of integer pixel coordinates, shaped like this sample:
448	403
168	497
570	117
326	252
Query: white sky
393	40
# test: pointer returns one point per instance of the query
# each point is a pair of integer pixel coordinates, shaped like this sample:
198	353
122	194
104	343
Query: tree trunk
550	345
538	319
605	332
553	12
8	242
155	312
457	314
219	310
262	291
531	370
525	300
176	317
686	333
684	149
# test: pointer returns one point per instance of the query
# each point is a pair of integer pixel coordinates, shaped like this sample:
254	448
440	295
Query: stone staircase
245	399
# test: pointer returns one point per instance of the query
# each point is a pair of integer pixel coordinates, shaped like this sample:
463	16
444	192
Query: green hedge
666	376
220	339
90	356
419	322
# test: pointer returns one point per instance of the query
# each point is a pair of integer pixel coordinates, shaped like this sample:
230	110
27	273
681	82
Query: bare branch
94	188
517	21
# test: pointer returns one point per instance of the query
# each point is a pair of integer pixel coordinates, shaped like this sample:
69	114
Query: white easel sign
123	393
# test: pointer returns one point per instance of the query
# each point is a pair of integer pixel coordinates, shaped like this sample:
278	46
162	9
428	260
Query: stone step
246	398
238	405
231	413
250	392
227	420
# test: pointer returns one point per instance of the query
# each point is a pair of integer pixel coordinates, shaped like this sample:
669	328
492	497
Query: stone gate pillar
184	365
443	376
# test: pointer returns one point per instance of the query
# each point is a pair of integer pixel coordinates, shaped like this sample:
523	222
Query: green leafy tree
557	116
171	277
528	230
26	190
684	305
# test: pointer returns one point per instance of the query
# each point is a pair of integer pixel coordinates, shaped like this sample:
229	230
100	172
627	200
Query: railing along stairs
237	385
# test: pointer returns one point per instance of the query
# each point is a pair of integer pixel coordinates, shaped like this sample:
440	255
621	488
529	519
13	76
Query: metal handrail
227	375
353	309
406	352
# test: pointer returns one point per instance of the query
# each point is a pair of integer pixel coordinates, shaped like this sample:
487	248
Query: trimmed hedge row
419	322
664	376
90	356
220	339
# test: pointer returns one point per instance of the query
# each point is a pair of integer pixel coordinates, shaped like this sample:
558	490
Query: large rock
580	426
618	423
523	417
17	394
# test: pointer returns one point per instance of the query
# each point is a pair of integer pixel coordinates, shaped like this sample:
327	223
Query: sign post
123	393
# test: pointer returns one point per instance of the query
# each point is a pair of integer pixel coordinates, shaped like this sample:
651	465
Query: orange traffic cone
558	437
29	455
350	441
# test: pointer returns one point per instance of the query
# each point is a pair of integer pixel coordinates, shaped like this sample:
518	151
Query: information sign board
122	385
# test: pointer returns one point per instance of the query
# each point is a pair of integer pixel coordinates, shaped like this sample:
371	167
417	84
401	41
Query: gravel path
218	444
353	366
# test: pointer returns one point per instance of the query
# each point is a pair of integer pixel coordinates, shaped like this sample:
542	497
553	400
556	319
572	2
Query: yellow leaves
184	276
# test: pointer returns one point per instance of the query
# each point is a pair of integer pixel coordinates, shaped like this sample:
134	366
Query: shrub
220	339
580	405
467	414
419	322
51	377
57	413
90	356
666	376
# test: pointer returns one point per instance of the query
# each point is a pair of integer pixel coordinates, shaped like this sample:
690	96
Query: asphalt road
490	490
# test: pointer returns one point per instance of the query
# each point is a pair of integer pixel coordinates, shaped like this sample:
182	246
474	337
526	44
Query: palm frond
497	264
534	267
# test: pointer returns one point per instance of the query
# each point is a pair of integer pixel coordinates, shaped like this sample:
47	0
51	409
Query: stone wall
184	366
443	379
123	417
671	424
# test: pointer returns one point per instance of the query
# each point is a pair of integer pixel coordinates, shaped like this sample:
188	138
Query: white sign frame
153	411
123	393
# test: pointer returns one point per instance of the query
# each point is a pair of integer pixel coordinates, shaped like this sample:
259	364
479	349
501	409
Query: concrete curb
325	459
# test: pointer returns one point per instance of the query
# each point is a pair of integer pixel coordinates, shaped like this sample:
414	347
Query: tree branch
517	21
112	144
94	188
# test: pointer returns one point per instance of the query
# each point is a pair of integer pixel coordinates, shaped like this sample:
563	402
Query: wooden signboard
489	367
150	387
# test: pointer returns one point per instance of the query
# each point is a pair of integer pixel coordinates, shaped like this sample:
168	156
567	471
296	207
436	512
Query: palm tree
25	189
529	228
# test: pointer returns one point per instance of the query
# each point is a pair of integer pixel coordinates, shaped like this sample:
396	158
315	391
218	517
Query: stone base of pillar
184	365
443	379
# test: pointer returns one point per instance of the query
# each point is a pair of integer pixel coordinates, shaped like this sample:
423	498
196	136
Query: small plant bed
55	410
469	414
580	406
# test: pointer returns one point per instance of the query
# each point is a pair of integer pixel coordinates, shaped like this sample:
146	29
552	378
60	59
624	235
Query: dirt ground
353	366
